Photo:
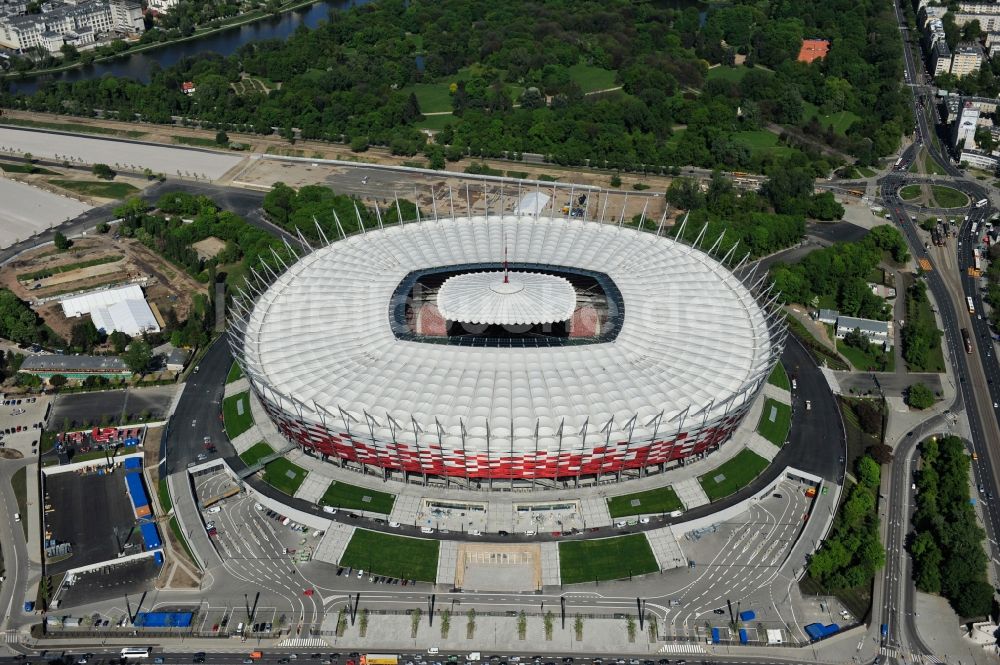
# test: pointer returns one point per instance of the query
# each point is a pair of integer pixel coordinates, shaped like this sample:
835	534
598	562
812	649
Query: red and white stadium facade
696	345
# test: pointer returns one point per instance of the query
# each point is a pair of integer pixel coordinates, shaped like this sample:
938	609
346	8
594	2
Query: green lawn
761	140
284	476
591	78
104	190
198	141
605	559
775	431
735	474
909	192
235	373
396	556
259	450
932	167
435	123
351	497
72	127
865	171
236	423
175	528
840	121
947	197
19	481
25	168
726	73
659	500
874	357
164	493
919	311
431	96
779	377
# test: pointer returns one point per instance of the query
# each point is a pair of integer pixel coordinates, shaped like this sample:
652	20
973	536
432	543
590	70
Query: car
475	532
809	405
361	573
214	509
643	520
777	495
719	610
258	507
981	490
426	529
340	571
621	524
502	533
394	525
529	533
202	457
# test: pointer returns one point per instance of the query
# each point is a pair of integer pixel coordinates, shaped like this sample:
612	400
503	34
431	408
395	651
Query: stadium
513	350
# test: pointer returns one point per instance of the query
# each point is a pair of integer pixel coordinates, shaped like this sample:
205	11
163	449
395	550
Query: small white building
877	332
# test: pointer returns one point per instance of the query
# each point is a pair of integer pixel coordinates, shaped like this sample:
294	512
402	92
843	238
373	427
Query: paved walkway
447	562
666	549
331	547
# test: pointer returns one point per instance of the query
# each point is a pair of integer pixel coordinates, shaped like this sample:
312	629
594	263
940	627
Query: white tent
123	309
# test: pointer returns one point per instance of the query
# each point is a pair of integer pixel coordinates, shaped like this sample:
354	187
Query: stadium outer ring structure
306	335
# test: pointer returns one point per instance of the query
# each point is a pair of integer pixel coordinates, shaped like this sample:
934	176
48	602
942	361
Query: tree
857	339
221	137
616	180
57	381
868	472
61	242
85	336
880	452
103	227
103	171
138	356
919	396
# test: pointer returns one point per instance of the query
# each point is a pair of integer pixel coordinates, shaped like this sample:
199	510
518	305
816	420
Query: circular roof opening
502	298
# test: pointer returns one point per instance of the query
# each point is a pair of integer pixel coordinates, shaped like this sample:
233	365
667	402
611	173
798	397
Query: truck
379	659
255	655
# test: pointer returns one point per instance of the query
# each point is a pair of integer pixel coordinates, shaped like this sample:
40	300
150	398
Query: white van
433	651
17	517
426	529
239	628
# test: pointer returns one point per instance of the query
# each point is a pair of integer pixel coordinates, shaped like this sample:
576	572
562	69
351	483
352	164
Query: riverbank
199	34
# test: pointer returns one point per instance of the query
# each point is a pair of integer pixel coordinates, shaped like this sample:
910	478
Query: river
226	42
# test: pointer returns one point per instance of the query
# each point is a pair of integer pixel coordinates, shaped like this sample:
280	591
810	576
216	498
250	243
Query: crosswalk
889	652
682	648
304	642
12	636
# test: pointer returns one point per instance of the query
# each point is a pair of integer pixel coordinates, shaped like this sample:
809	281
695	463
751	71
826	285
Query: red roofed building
187	87
813	49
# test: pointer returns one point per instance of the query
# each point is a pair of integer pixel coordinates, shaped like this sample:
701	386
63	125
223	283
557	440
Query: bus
981	203
975	227
966	340
968	301
136	652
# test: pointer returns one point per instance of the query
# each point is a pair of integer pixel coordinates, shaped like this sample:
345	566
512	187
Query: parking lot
92	513
262	549
80	410
115	580
22	417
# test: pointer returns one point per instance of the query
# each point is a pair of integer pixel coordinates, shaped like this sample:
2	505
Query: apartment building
967	59
76	23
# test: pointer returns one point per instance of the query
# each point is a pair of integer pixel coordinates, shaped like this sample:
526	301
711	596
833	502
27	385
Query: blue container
748	615
715	636
743	636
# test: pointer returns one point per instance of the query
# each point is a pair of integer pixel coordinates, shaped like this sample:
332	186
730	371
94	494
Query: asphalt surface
109	406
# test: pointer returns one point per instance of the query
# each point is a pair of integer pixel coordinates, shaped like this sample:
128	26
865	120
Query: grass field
352	497
736	474
591	78
104	190
726	73
197	141
435	123
605	559
259	450
660	500
235	373
175	528
873	358
7	167
761	140
72	127
932	167
236	424
396	556
19	481
840	121
55	270
779	377
432	97
865	171
947	197
775	431
164	493
909	192
284	476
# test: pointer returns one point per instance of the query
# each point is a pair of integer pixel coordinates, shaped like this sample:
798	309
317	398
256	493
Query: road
16	564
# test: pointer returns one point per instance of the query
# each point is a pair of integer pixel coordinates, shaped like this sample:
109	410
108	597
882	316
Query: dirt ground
42	182
166	286
209	247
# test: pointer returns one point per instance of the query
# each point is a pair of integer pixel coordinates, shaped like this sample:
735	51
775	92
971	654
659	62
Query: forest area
516	78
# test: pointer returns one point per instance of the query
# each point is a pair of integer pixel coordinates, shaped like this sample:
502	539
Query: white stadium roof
693	340
124	309
524	298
